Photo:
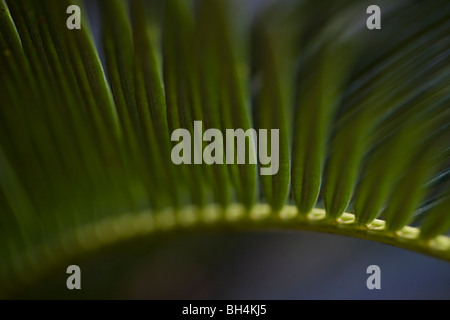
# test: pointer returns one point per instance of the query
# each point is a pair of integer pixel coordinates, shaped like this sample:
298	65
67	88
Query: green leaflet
274	54
178	82
319	96
438	220
223	82
205	53
150	96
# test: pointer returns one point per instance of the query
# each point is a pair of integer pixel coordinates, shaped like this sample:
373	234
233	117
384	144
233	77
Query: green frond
86	118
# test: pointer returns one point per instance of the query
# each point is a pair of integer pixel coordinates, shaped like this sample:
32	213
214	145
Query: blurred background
251	265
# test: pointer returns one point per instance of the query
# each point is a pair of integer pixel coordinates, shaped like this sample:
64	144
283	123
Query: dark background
251	265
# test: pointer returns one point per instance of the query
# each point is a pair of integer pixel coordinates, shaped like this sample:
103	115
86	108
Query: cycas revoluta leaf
86	122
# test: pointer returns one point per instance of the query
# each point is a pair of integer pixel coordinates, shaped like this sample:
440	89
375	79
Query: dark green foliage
85	125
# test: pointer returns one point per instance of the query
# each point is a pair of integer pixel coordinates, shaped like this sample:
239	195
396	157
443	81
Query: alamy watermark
74	280
236	141
374	280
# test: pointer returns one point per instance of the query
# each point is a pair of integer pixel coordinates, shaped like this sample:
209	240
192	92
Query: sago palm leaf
86	119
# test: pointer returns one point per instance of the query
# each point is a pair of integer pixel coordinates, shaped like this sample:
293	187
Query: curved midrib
36	262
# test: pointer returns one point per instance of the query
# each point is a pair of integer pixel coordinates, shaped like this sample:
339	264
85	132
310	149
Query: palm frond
86	119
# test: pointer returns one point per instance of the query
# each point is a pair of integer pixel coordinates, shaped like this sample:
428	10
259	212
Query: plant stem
40	260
